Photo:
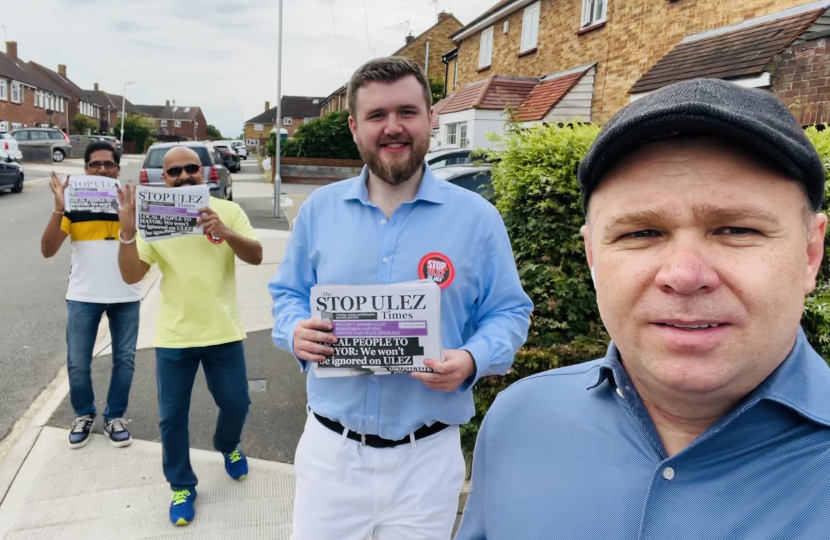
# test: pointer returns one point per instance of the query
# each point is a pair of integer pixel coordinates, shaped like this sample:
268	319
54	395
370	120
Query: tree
83	124
326	137
436	86
137	129
214	133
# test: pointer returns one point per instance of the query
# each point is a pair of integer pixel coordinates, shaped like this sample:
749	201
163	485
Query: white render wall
479	123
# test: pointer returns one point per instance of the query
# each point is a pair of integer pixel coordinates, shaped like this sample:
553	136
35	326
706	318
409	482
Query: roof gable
494	92
547	94
455	23
743	52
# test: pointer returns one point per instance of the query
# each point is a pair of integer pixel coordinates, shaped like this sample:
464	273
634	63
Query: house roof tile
16	70
293	107
494	92
438	107
546	95
743	52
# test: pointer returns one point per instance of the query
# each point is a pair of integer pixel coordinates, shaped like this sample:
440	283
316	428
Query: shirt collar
429	190
799	383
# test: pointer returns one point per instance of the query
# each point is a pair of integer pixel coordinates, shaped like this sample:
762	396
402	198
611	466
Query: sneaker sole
121	444
181	522
81	444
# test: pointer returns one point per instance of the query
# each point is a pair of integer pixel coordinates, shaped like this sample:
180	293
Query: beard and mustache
399	170
189	181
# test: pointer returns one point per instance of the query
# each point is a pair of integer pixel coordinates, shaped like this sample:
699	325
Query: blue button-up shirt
341	237
565	455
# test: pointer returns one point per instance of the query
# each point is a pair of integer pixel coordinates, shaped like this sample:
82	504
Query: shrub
84	124
816	320
326	137
138	129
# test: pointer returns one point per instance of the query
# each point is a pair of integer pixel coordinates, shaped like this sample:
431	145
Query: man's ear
353	127
815	251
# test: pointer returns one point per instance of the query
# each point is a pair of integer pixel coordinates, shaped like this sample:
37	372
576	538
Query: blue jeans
227	380
81	331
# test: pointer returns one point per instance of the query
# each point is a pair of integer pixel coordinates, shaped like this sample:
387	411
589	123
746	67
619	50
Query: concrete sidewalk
100	492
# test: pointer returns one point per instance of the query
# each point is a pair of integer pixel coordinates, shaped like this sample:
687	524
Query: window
4	90
61	103
530	27
24	136
462	135
452	134
252	142
53	134
178	123
287	121
42	100
485	48
307	120
187	109
593	12
17	93
257	127
164	123
175	109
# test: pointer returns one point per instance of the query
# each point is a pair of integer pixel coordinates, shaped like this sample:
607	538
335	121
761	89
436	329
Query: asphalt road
32	297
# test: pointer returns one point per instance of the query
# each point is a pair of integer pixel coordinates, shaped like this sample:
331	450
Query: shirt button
386	259
371	418
668	473
383	222
619	393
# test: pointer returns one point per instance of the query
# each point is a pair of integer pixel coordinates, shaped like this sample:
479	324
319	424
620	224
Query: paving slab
101	492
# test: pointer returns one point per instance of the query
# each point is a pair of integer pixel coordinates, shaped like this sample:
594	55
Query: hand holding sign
212	224
448	375
126	210
59	189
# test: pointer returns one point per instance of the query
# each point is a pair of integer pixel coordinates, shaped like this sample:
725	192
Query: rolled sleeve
66	224
290	288
503	315
242	225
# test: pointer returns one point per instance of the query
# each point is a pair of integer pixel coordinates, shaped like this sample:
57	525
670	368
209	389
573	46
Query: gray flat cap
755	118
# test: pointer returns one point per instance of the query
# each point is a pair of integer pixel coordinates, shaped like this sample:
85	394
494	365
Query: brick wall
801	80
636	35
23	113
439	43
322	162
261	136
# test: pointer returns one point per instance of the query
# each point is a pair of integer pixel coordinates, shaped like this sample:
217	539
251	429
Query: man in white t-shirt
95	288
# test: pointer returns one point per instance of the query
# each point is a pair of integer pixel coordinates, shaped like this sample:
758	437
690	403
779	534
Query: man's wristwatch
120	239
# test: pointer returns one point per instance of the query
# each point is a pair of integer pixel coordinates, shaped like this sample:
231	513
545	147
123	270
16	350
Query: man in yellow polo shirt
198	322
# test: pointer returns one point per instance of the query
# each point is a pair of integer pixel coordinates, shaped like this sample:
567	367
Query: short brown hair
388	70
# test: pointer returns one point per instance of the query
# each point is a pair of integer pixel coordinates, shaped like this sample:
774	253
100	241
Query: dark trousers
81	331
227	380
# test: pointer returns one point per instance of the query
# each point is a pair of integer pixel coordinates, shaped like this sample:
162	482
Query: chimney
11	49
267	106
443	16
167	103
62	70
409	39
96	87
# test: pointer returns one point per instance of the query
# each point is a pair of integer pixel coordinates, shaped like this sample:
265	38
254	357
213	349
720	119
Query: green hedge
325	137
534	180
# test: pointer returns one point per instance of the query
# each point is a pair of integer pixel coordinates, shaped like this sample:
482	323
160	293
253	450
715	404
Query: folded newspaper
163	213
381	329
96	194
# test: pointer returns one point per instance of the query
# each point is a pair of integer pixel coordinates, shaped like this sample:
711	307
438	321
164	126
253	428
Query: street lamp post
277	177
123	109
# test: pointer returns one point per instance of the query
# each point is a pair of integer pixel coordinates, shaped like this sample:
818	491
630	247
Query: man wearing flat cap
709	417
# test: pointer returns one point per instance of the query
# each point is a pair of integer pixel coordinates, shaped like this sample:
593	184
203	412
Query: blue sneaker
81	429
181	509
236	464
117	433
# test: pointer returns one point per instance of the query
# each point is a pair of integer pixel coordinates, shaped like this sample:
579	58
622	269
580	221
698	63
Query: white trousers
347	491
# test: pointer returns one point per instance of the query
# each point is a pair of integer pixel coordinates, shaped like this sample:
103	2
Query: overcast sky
220	55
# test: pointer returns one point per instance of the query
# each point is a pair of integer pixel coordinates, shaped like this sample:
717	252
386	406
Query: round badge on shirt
437	267
214	239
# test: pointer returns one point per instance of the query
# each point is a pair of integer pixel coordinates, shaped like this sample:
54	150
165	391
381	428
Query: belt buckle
363	439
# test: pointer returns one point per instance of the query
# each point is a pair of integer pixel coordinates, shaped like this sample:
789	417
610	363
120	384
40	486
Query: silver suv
216	175
55	138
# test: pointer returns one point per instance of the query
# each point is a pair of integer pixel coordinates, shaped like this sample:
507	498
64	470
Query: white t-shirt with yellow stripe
95	276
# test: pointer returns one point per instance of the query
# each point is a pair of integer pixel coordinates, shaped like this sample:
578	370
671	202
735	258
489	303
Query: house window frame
16	86
287	121
259	127
306	120
591	14
163	123
463	141
178	124
4	90
452	134
485	48
252	142
62	102
530	28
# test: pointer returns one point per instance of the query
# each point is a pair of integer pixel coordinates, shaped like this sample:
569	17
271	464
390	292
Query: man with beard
198	323
381	455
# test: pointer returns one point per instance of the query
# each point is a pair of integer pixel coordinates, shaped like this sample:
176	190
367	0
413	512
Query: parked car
229	155
112	140
11	175
475	178
438	159
10	145
217	176
241	149
58	140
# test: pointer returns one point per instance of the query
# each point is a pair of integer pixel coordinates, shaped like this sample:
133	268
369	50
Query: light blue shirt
341	238
573	454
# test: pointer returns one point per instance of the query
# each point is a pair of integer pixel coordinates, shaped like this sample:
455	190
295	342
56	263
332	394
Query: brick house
26	98
561	60
336	101
176	122
296	111
79	101
111	105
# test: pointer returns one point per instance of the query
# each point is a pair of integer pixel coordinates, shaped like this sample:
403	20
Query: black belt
379	442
